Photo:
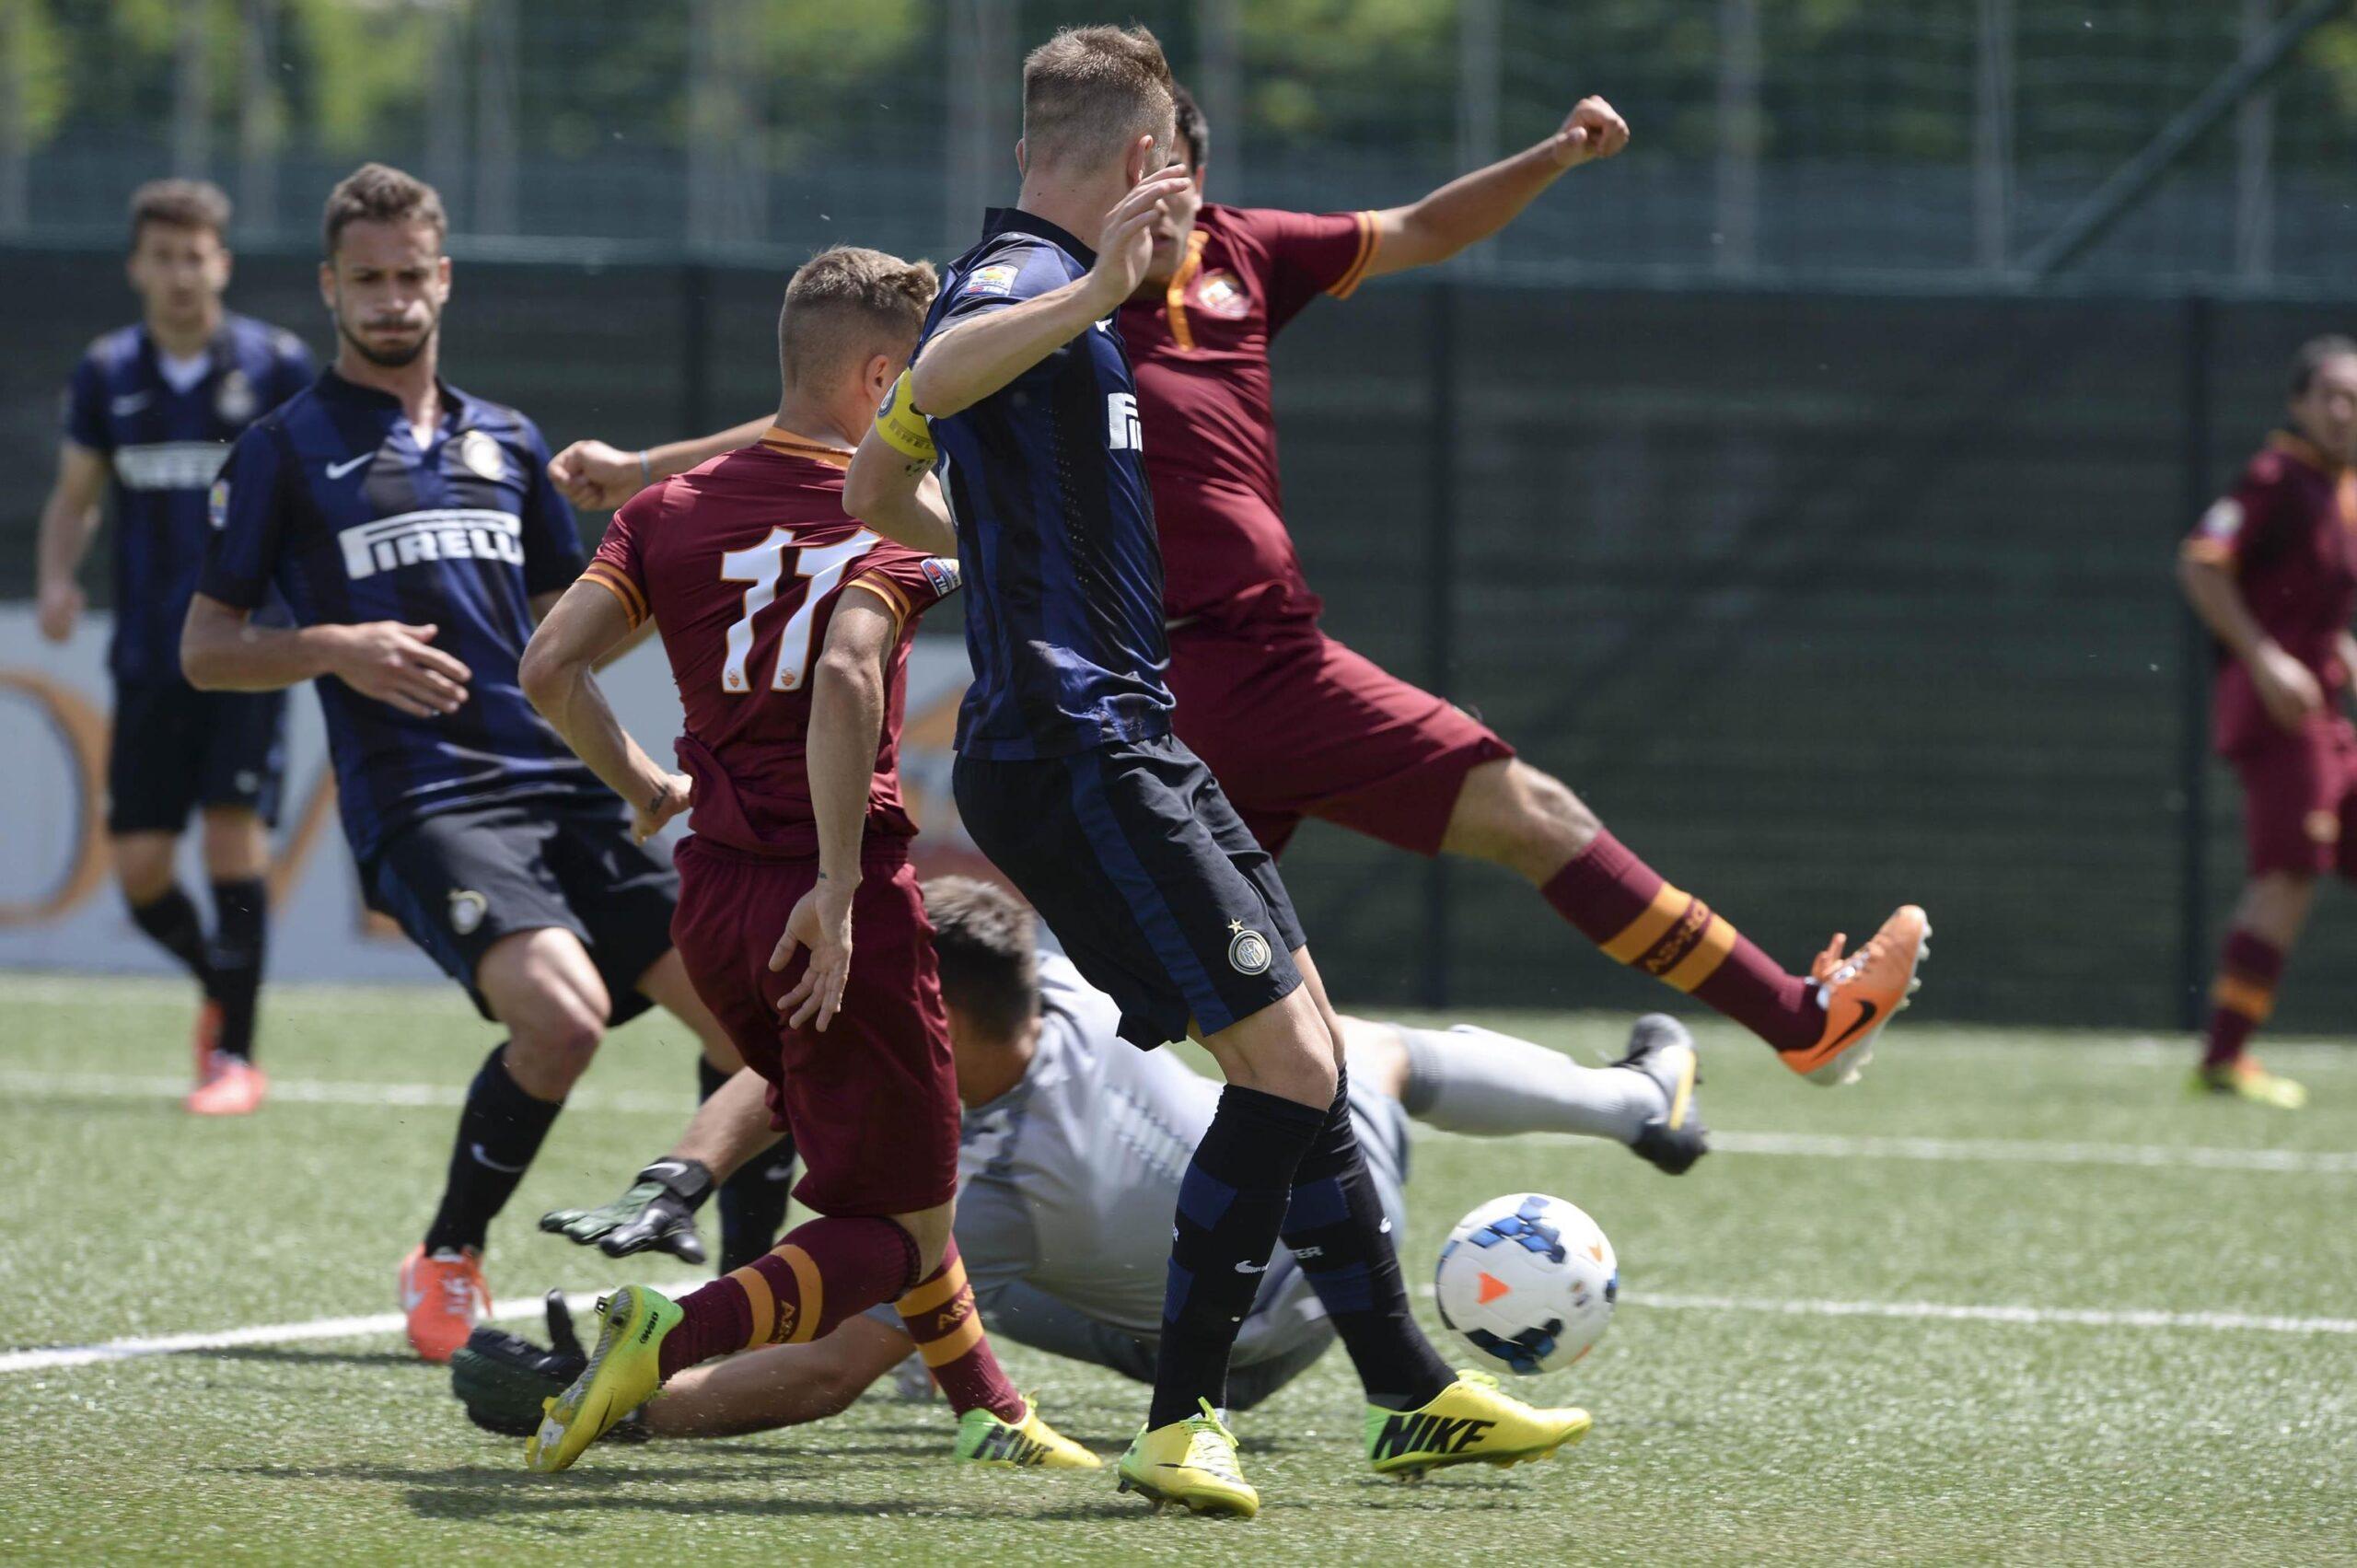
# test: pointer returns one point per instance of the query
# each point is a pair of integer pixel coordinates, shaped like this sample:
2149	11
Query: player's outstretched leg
1467	1079
1822	1024
996	1426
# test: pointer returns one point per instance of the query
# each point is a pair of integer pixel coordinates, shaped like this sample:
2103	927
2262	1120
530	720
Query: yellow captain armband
904	430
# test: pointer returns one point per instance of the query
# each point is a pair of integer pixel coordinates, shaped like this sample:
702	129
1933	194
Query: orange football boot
444	1296
236	1089
1862	993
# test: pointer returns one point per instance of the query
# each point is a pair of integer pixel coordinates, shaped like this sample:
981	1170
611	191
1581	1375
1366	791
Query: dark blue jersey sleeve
292	370
552	554
85	406
249	509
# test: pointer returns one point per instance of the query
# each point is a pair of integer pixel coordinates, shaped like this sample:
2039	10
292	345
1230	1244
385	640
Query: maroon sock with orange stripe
940	1316
2242	996
1623	906
821	1273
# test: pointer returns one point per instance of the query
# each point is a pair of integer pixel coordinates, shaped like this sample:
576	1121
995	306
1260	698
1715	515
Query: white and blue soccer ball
1529	1281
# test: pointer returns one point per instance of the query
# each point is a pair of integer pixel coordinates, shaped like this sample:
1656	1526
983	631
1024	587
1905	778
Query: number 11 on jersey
765	566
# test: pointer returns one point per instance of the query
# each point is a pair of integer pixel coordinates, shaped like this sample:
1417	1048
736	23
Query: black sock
499	1132
171	919
1230	1204
752	1202
1334	1223
240	930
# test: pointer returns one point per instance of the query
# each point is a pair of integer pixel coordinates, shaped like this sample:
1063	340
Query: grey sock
1475	1080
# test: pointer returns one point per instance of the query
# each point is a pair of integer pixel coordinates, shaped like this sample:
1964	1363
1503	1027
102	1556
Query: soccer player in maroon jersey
1293	723
788	625
2271	570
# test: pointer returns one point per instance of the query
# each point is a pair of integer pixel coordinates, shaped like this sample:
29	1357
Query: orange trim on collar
2295	446
1174	298
786	443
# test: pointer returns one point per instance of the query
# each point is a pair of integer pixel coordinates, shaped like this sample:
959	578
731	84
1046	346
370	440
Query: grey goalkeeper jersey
1069	1181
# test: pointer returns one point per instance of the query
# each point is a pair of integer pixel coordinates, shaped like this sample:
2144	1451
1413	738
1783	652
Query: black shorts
175	748
1158	892
458	881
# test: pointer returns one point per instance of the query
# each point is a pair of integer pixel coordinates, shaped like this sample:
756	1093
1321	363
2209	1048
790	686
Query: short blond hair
846	303
1089	92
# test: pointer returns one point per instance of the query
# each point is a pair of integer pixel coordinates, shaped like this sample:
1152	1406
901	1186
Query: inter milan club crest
234	400
482	456
1248	950
467	909
1219	293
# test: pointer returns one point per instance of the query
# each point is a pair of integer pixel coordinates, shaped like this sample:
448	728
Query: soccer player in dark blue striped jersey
414	536
149	415
1069	780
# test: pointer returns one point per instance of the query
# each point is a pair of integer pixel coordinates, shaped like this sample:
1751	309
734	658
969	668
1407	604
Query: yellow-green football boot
1192	1463
1468	1423
1031	1444
623	1372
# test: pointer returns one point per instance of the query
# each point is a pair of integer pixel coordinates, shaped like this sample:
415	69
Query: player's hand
674	796
60	605
1592	130
2288	688
398	664
821	922
1125	248
657	1214
595	476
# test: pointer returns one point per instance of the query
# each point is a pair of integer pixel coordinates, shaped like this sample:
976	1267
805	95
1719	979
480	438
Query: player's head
989	964
848	327
385	278
1192	147
180	255
1091	96
2323	394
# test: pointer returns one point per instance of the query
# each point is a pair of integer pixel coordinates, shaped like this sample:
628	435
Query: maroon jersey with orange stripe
742	564
2288	532
1200	355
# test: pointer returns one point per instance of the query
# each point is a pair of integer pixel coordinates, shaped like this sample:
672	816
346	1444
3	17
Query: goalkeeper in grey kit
1073	1150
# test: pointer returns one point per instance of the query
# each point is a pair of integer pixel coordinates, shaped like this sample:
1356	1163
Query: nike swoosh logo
1867	1011
666	1168
489	1164
337	470
1252	1268
130	403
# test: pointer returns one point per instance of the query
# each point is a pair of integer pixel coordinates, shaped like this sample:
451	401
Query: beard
384	358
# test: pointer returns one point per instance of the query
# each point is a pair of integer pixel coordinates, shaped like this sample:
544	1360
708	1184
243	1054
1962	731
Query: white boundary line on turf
1983	1151
262	1334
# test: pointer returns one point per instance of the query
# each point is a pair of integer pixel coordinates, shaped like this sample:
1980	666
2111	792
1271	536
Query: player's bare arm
979	356
1474	207
586	624
846	725
69	521
2285	684
658	1212
896	494
222	650
599	477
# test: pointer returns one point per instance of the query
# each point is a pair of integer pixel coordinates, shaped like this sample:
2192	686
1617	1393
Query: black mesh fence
1824	602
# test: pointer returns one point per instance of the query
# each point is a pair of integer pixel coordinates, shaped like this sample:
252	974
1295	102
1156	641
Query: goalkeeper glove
658	1214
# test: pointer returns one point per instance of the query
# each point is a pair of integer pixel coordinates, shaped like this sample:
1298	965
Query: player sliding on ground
1293	723
1070	1163
1068	778
2271	569
787	626
413	533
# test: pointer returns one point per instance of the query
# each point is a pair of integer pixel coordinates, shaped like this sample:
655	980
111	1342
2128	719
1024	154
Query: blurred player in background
153	407
788	625
1070	1163
2271	570
413	532
1293	723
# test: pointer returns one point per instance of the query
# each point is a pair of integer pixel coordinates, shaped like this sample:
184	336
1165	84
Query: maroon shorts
872	1102
2300	800
1295	724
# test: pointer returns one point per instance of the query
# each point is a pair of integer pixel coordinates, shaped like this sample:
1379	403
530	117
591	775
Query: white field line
32	1084
262	1334
63	1357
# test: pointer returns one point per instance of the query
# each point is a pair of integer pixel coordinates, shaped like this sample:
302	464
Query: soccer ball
1529	1282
